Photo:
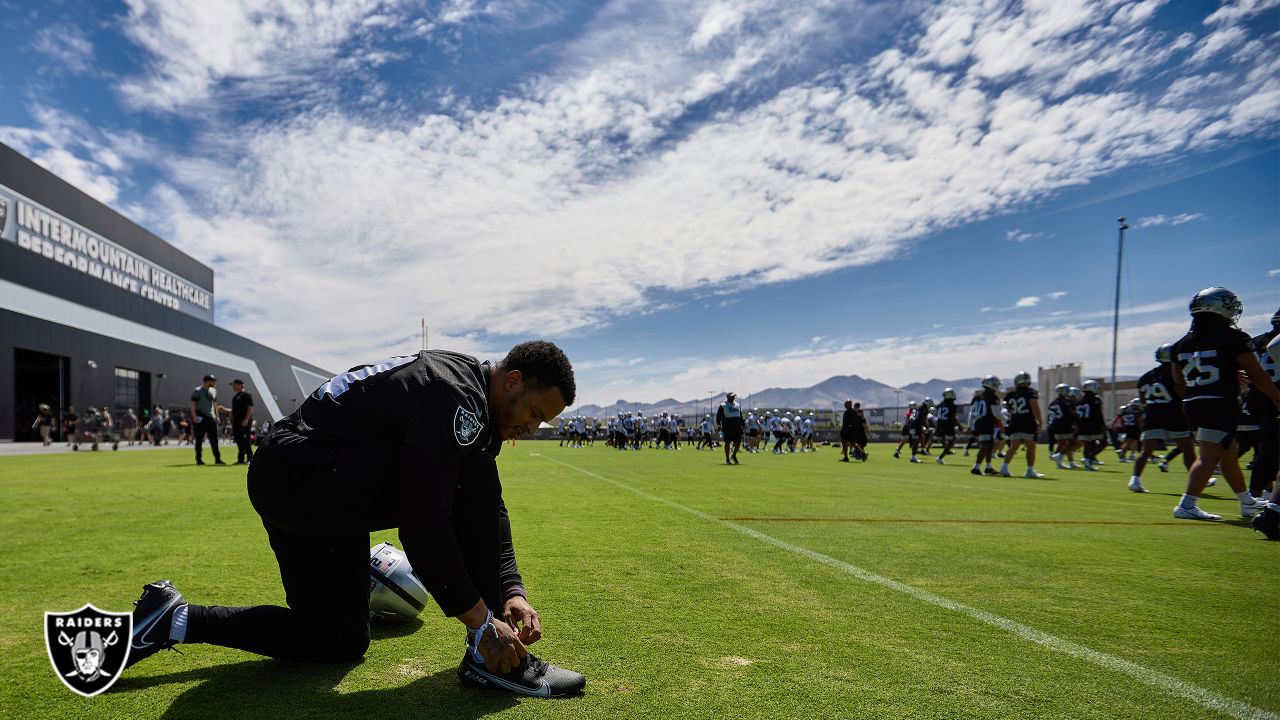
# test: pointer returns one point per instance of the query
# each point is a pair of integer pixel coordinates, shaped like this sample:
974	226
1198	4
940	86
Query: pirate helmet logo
88	647
4	215
466	425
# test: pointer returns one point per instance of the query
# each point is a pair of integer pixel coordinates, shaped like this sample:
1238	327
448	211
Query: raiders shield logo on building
466	426
4	215
88	647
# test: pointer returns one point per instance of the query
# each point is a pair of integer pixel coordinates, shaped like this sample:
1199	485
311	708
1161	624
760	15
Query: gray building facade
95	310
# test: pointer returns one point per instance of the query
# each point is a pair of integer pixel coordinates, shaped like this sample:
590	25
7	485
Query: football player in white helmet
1208	361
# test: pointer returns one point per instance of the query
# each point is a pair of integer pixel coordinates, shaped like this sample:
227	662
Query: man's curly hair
544	366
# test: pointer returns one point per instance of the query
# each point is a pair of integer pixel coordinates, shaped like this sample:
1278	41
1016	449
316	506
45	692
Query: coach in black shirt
241	417
409	443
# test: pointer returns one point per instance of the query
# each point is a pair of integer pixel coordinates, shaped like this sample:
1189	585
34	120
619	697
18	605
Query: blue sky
686	195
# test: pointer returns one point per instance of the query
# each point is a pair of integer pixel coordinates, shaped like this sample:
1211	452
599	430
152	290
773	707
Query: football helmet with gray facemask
395	592
1217	301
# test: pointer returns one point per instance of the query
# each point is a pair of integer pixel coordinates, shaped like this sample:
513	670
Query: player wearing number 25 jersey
1208	360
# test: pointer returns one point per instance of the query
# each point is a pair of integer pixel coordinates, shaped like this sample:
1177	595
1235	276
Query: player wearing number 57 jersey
1164	419
1208	360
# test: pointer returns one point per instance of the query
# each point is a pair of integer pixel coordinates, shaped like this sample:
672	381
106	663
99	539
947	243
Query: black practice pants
1266	455
244	449
207	427
313	511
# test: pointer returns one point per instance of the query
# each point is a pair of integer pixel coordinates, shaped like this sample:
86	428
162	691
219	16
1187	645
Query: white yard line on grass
1168	683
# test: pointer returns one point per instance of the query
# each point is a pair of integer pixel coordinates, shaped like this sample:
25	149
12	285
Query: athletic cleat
152	618
1267	522
1164	467
915	459
1212	481
533	676
990	471
1056	457
1136	485
1073	466
895	454
1193	513
939	460
1005	473
975	471
1033	474
1252	509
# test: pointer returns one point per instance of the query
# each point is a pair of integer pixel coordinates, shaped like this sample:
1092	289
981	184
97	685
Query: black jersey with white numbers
1089	415
1206	357
947	413
1021	402
986	409
1062	414
1160	395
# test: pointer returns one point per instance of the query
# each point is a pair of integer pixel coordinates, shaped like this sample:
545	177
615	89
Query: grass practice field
787	587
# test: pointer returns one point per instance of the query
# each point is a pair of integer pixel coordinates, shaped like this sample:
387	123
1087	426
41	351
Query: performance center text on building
95	310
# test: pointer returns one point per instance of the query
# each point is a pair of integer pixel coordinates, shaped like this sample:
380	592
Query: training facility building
97	311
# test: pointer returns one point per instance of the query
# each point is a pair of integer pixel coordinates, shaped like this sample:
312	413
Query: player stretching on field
1208	360
985	415
1164	420
1024	422
1092	425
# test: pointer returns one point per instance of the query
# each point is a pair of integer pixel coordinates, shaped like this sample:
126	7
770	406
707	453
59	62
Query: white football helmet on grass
395	592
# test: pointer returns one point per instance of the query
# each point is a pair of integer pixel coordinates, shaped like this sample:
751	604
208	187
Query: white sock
178	626
1245	498
1188	501
1135	479
1031	468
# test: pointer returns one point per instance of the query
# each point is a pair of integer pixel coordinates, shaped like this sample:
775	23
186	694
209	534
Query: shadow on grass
283	690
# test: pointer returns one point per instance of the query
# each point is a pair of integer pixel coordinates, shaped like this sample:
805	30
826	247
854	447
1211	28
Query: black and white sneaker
533	676
153	618
1267	522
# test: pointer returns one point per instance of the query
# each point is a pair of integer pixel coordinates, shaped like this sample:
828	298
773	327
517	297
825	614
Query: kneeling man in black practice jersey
429	427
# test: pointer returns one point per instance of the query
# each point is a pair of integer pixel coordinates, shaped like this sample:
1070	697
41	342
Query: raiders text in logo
88	647
466	426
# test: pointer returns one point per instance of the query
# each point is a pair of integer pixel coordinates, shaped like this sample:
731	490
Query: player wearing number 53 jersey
1208	359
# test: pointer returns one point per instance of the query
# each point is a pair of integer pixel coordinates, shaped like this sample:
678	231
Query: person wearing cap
241	419
204	411
729	418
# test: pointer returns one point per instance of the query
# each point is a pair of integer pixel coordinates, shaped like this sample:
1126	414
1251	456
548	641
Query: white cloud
594	186
1026	302
1056	295
986	309
1017	235
1179	219
1273	273
66	44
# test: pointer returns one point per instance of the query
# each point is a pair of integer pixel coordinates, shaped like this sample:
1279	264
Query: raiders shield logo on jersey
466	426
88	647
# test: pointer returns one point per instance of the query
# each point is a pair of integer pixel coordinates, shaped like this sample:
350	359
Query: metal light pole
897	410
1115	322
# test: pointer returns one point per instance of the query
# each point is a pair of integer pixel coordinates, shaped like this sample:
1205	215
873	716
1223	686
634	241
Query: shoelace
538	665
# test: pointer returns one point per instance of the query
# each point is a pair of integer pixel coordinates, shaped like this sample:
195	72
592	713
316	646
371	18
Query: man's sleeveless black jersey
1089	415
1021	400
1207	360
947	413
1164	407
435	401
1062	414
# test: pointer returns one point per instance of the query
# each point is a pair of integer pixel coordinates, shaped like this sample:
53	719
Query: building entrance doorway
38	378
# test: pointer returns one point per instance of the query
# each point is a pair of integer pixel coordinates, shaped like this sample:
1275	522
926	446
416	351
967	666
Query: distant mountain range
826	395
